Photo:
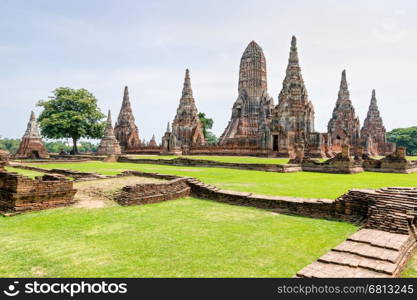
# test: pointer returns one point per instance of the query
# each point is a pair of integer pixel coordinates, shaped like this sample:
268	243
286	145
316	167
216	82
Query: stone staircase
366	253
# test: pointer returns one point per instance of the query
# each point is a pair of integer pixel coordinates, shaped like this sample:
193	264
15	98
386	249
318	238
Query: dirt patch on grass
100	193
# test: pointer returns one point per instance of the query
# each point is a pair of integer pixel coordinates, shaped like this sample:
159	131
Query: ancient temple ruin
249	123
31	145
292	124
344	126
125	130
187	130
109	144
373	133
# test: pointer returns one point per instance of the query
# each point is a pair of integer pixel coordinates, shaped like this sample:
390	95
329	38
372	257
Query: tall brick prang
31	145
249	123
126	131
344	126
187	130
373	133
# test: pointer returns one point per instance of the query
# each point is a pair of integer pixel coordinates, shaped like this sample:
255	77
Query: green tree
73	114
88	147
10	145
211	138
406	137
207	124
57	146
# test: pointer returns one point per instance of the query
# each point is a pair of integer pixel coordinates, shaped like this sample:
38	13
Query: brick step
328	270
383	239
356	261
369	251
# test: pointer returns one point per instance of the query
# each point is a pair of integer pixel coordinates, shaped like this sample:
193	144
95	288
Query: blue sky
104	45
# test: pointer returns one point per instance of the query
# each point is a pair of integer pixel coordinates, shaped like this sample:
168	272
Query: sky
104	45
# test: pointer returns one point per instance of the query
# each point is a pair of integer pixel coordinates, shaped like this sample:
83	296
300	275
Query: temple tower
31	145
126	131
292	122
373	133
344	126
152	142
109	144
252	109
187	130
293	117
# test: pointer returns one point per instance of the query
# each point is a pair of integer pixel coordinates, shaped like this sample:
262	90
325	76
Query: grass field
300	184
181	238
28	173
187	237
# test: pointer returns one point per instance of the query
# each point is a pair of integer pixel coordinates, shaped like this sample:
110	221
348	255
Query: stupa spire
32	130
31	144
344	126
126	130
109	132
343	89
109	145
373	133
187	85
293	88
293	59
126	100
373	99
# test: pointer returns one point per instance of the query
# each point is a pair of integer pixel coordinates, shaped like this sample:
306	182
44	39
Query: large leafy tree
73	114
207	124
406	137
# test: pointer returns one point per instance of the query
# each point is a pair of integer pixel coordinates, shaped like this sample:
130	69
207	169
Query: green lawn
28	173
300	184
181	238
231	159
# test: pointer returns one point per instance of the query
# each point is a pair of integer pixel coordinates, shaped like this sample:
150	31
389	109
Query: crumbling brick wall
153	192
19	193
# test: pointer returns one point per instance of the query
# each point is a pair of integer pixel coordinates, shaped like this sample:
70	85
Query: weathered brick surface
20	193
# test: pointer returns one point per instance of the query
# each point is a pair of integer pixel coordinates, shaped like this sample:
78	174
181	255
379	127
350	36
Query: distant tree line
12	145
405	137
